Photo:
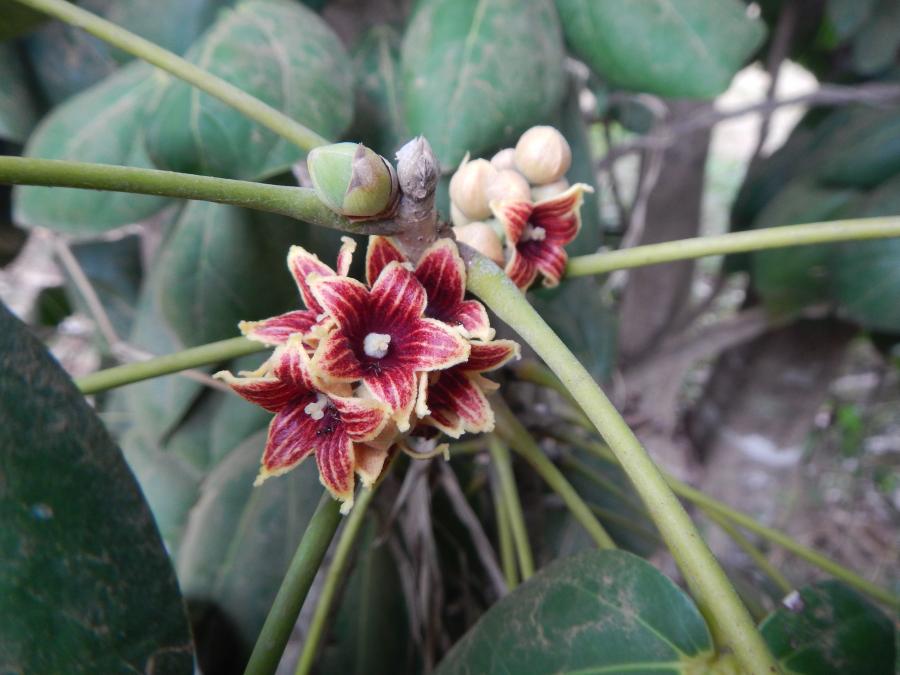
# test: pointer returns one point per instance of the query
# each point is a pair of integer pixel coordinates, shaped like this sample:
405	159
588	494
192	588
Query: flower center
376	345
533	233
316	409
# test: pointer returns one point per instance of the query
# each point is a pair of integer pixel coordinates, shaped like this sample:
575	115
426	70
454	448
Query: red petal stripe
520	269
551	261
363	419
334	359
397	298
266	392
486	356
472	315
380	252
292	437
345	299
456	394
302	264
345	256
443	275
334	455
396	387
277	329
291	366
432	345
514	216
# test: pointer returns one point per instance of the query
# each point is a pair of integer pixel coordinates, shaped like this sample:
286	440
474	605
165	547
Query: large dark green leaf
67	60
596	612
867	273
848	16
370	634
684	48
864	152
379	121
102	125
791	278
476	73
240	539
875	45
276	50
18	109
85	583
833	631
222	264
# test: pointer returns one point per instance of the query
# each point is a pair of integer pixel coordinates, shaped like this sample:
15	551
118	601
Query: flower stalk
735	242
512	507
295	202
712	590
294	587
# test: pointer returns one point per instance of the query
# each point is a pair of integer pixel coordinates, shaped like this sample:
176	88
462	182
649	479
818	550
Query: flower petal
290	364
520	269
454	395
335	360
345	300
395	387
302	264
397	298
550	260
292	437
266	391
370	462
432	345
514	216
380	252
345	256
334	456
486	356
277	329
443	275
472	316
560	216
362	419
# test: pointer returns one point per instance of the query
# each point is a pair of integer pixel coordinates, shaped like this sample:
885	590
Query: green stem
294	587
757	556
296	202
602	481
522	442
214	352
712	505
505	541
512	505
334	578
226	92
734	242
714	593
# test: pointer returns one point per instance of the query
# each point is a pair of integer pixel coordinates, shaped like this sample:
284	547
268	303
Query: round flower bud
505	159
457	216
468	188
353	180
482	238
509	185
543	155
541	192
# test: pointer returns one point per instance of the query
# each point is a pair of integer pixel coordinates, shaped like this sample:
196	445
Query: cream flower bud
505	159
543	155
509	185
458	217
468	188
541	192
353	180
483	239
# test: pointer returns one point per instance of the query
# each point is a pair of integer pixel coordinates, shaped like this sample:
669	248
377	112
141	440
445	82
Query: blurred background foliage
738	374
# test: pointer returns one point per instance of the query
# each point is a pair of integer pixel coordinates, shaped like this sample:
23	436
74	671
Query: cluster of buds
520	195
363	367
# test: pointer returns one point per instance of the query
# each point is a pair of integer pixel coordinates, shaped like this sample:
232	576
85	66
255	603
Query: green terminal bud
353	180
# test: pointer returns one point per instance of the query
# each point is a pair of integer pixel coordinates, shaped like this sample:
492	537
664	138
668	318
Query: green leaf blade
101	125
679	48
278	51
463	64
596	612
81	560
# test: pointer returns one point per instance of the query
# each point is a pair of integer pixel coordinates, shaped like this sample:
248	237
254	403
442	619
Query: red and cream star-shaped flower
364	365
536	234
